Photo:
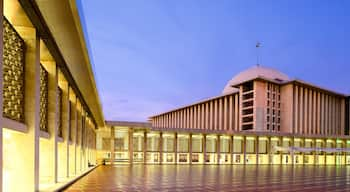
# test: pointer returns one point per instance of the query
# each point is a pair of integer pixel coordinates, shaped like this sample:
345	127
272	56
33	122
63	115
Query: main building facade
261	117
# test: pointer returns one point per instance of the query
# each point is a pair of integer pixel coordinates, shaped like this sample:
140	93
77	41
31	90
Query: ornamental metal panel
13	73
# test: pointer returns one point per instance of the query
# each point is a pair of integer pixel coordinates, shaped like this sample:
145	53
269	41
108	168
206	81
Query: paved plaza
214	178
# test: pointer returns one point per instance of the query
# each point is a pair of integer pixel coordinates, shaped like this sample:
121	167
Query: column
190	147
314	146
244	150
292	153
218	149
175	147
231	148
204	148
257	149
160	147
112	145
29	147
131	145
269	149
145	147
65	122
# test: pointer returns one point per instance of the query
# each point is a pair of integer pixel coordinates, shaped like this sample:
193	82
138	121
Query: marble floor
214	178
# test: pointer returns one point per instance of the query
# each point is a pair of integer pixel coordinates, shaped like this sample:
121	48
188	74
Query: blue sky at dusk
151	56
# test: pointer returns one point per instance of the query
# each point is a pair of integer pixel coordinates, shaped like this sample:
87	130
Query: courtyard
215	178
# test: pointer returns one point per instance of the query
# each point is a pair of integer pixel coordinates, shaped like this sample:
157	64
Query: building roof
254	72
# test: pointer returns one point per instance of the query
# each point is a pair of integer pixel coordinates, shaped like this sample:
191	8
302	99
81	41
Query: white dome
253	73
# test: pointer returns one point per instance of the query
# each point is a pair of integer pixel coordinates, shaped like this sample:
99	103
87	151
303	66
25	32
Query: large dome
252	73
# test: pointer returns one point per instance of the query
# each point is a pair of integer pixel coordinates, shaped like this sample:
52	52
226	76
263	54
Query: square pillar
231	148
218	150
160	147
292	153
65	126
257	150
144	147
244	150
175	147
131	145
190	147
112	157
269	150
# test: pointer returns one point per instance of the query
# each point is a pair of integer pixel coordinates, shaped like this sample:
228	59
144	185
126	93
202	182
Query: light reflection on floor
215	178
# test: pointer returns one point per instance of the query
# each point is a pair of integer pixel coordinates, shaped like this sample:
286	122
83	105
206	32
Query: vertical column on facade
326	113
207	116
310	113
65	126
342	117
175	147
301	111
257	149
244	149
29	145
269	150
220	119
231	148
145	147
231	114
190	147
112	145
204	148
78	136
306	114
72	129
211	115
216	115
226	113
314	153
52	148
318	113
160	147
292	153
314	112
131	145
237	114
218	149
296	110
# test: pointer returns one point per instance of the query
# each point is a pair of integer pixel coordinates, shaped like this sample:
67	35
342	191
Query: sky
150	56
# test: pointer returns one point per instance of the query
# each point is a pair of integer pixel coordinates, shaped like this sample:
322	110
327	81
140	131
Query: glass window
182	144
224	145
237	145
168	144
262	146
197	145
211	145
138	143
250	148
153	143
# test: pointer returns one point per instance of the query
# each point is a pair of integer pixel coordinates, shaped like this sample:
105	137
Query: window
268	126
